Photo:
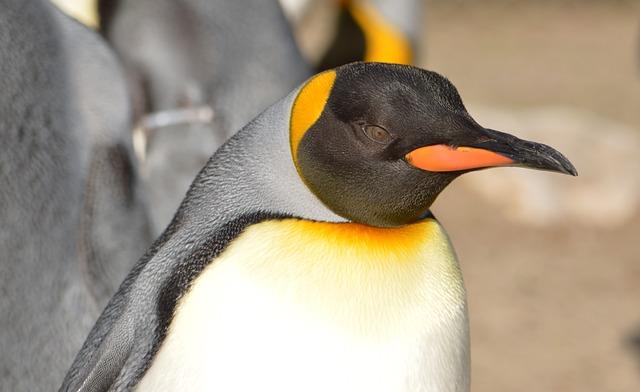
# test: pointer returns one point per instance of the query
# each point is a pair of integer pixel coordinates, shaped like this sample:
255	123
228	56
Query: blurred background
551	263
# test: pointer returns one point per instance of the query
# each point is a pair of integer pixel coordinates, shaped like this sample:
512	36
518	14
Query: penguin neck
254	172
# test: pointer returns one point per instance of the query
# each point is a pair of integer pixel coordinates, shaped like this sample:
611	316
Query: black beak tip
569	168
561	163
527	153
541	156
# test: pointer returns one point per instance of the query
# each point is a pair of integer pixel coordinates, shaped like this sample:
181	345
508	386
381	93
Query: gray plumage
72	218
237	57
115	227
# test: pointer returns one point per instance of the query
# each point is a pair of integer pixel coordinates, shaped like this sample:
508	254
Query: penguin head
377	143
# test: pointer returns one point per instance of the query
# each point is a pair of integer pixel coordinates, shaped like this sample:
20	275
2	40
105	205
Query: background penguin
375	30
304	256
205	68
72	216
334	33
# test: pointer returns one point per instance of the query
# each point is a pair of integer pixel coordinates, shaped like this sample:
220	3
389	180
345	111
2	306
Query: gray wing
106	349
122	339
122	344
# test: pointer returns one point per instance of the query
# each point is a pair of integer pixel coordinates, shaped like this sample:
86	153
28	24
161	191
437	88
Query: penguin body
357	307
71	215
304	255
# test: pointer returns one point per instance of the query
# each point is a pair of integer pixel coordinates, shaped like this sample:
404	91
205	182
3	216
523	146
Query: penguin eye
376	133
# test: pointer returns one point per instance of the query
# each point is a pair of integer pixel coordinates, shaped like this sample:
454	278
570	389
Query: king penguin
304	256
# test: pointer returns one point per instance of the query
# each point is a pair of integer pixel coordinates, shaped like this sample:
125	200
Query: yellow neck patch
384	43
364	278
308	107
364	241
337	245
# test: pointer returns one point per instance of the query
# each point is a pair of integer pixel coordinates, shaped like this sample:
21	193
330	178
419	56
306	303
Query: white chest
281	312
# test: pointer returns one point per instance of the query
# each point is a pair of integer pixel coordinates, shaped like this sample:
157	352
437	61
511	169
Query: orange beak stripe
443	158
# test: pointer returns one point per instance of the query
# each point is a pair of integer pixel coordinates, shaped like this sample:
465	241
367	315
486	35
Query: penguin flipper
104	353
100	374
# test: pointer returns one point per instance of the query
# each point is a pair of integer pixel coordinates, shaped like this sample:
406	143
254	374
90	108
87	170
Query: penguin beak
492	149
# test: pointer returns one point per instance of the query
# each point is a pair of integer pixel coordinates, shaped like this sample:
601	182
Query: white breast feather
277	313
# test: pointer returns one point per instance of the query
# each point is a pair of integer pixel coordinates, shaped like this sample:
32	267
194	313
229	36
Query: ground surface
551	305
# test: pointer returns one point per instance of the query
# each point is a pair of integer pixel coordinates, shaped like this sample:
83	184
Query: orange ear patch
308	107
443	158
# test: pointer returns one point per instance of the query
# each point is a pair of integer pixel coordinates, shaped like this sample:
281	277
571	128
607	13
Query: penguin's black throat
390	138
